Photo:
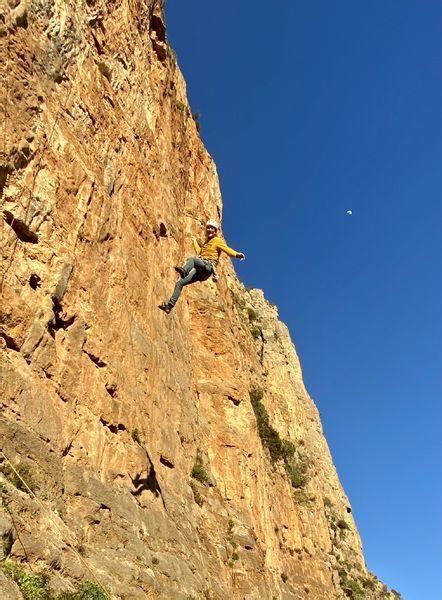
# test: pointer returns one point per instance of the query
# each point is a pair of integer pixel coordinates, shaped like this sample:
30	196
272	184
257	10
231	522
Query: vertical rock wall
161	456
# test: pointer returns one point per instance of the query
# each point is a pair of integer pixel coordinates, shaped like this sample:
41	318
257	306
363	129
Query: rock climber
202	266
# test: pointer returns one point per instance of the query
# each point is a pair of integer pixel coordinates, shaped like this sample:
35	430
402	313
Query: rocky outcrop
158	456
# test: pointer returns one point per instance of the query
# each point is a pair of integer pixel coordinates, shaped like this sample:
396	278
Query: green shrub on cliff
20	476
198	470
269	436
295	466
297	473
35	586
88	590
350	586
256	331
252	314
32	586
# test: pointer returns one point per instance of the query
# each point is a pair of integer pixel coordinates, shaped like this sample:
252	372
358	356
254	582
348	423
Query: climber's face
210	232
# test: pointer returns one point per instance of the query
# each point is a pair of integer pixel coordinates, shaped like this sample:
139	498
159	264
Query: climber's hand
241	256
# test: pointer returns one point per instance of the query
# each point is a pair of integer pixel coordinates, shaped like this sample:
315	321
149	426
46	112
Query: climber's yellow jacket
211	249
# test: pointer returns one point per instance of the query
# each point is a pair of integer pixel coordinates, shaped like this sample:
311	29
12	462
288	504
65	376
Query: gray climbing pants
195	269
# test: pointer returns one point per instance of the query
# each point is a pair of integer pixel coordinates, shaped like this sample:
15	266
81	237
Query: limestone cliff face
162	456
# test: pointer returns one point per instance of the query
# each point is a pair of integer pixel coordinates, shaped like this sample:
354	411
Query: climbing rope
54	523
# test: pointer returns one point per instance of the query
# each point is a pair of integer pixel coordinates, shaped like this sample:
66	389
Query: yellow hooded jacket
211	249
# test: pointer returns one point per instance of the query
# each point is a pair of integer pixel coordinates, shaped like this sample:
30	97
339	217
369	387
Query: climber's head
211	229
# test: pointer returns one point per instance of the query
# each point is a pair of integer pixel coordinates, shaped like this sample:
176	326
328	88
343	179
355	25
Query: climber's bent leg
195	269
190	264
189	278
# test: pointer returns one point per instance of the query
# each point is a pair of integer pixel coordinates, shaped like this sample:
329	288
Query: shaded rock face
162	456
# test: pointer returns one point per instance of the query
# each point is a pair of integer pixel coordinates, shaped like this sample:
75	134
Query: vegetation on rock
234	556
35	586
198	470
296	466
20	476
252	314
256	331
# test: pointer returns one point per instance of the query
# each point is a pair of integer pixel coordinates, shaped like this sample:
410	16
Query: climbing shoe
166	307
180	271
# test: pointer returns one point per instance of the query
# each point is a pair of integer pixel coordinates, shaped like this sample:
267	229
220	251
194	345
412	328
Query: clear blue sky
311	108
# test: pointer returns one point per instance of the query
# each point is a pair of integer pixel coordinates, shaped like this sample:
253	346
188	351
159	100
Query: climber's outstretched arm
229	251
